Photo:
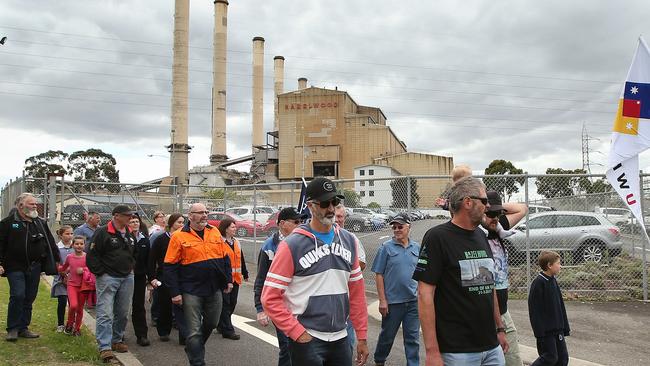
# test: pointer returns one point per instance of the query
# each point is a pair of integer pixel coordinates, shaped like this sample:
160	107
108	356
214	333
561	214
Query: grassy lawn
51	348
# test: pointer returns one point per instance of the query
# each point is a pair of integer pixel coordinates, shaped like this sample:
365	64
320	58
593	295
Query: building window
325	169
371	193
371	183
362	172
371	172
362	193
362	183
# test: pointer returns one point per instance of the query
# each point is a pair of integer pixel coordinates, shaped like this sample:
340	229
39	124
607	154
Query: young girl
74	265
59	284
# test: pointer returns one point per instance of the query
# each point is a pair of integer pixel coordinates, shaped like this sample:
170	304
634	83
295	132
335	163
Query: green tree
400	193
222	196
93	165
599	186
49	162
352	198
506	186
374	205
550	187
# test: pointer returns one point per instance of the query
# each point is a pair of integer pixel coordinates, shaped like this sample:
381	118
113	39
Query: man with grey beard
27	248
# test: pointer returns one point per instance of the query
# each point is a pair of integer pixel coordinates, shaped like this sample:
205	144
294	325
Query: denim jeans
405	313
493	357
23	288
201	317
114	296
284	358
352	336
319	352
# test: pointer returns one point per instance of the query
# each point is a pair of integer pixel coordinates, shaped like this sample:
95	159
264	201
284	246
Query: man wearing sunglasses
499	217
288	219
315	283
398	302
457	303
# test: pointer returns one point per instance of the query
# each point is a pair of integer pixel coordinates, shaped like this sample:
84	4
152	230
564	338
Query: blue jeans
114	295
23	288
493	357
405	313
201	317
352	336
284	358
321	353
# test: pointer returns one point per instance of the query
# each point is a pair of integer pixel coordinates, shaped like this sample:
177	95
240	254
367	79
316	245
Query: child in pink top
74	266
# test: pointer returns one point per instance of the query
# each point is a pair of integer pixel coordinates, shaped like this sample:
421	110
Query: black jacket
111	253
14	241
157	254
546	308
142	255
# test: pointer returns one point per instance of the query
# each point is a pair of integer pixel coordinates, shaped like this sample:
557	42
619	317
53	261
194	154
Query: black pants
317	352
138	313
167	310
60	309
552	351
229	303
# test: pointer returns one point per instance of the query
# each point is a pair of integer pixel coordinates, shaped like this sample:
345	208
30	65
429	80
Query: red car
244	227
271	225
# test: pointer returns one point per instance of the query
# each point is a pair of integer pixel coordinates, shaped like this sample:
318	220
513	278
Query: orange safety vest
235	260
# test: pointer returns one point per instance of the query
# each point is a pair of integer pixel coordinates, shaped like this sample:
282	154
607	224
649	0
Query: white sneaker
60	329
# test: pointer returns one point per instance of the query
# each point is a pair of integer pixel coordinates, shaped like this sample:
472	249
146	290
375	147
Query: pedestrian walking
74	267
60	281
228	228
140	283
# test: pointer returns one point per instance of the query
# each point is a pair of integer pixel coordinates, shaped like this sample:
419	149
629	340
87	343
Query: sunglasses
325	204
483	200
398	227
200	212
493	214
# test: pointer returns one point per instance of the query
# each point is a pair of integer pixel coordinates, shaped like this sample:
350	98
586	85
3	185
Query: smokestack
302	83
179	149
258	92
218	148
278	88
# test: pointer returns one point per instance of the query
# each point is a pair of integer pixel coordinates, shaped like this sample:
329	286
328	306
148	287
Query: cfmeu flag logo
631	132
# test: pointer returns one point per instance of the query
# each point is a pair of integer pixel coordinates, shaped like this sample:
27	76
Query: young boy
547	313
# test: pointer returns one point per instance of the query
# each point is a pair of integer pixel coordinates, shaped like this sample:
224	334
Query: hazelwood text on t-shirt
459	263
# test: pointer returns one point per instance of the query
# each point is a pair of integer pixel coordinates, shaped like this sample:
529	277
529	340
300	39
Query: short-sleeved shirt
459	263
500	255
397	263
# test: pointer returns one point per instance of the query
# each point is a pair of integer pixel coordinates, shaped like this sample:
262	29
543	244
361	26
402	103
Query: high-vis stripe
355	271
356	278
275	284
236	270
278	277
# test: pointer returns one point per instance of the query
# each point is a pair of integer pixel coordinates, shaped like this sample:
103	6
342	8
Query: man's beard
32	214
202	224
323	219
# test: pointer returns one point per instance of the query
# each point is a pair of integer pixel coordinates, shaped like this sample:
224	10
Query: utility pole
586	164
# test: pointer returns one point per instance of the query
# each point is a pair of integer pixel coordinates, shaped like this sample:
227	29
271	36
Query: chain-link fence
579	216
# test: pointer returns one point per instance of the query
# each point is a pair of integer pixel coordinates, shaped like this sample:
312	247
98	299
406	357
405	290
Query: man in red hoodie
314	279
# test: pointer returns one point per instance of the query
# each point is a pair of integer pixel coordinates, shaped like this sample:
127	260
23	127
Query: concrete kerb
126	359
528	354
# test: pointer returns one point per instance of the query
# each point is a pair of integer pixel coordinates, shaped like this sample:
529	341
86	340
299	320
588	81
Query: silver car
588	235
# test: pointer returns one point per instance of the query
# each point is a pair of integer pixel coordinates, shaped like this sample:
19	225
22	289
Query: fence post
526	198
645	240
51	202
179	191
292	193
408	193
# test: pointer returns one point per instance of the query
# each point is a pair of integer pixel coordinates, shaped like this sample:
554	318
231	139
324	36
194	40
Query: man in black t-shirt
459	313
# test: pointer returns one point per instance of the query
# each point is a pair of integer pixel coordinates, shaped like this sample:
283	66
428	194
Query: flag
631	132
302	202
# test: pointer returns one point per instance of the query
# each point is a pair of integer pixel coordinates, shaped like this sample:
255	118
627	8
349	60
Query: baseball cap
400	219
321	189
289	213
494	199
123	210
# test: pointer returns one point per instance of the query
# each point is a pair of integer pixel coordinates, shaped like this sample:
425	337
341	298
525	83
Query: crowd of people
309	281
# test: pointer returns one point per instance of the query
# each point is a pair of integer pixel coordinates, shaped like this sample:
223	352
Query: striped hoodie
316	287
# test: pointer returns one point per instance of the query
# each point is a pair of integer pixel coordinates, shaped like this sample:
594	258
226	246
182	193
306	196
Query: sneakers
143	342
76	333
26	333
60	328
12	335
107	356
164	338
120	347
233	336
67	330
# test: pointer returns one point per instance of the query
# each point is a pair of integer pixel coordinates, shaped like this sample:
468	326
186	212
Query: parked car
244	227
73	215
616	215
537	208
588	235
271	226
250	213
355	222
267	209
370	213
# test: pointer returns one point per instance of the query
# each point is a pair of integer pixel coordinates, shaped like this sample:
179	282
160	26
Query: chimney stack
258	92
278	88
179	148
302	83
218	148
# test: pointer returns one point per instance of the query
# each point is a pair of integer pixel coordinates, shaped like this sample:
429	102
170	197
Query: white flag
631	133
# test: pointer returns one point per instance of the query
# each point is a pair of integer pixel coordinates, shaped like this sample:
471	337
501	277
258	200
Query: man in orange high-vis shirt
197	269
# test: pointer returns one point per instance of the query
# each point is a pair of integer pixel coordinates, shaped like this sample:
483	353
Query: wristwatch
503	330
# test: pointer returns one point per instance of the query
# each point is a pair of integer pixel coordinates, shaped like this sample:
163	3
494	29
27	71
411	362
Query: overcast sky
476	80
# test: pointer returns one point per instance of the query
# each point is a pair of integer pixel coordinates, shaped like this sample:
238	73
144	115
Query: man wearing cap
315	283
398	301
288	219
498	218
112	259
